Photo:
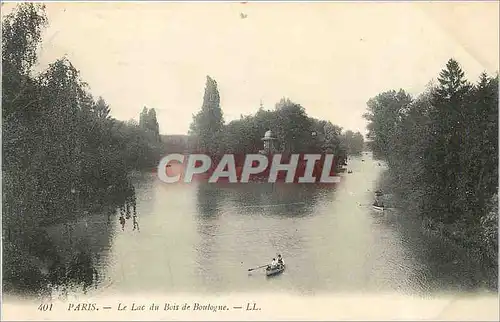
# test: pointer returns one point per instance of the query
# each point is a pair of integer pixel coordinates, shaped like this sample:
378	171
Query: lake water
204	238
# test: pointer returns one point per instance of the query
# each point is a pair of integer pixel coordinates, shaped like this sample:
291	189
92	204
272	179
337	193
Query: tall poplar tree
209	121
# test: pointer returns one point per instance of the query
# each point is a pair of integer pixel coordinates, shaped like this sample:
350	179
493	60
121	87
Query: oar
251	269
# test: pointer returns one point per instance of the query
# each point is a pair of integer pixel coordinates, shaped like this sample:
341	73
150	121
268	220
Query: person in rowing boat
280	260
273	263
378	203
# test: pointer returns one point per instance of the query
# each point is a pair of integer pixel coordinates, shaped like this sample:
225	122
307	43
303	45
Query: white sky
329	57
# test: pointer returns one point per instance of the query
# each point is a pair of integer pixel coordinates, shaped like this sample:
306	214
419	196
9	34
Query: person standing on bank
122	222
136	224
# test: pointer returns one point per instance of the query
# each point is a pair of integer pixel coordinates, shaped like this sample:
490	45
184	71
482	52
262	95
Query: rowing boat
275	271
378	208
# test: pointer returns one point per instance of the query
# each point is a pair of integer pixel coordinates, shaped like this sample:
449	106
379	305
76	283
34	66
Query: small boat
275	271
378	208
350	171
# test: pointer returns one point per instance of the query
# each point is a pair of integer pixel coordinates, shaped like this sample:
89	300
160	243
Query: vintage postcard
250	161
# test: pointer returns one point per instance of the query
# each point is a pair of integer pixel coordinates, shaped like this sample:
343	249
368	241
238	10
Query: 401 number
45	307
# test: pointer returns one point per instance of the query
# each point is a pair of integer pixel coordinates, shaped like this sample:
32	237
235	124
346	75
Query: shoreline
433	229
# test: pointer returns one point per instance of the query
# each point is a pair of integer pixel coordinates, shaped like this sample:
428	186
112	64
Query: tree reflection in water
81	270
281	199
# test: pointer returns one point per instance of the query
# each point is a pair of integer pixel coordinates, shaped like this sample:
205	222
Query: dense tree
293	130
63	153
442	151
293	127
353	142
383	114
101	109
149	123
153	123
209	121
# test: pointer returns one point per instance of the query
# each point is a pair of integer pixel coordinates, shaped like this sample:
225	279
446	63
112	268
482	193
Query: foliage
209	121
353	142
65	155
63	152
149	123
294	131
442	150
